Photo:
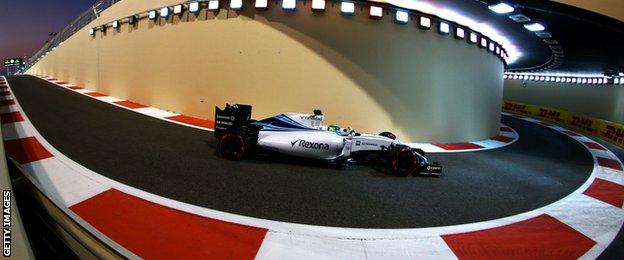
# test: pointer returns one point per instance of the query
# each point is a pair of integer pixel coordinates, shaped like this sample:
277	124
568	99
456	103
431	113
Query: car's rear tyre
388	135
402	161
234	145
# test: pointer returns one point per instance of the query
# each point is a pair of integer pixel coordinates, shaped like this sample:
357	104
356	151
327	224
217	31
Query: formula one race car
305	136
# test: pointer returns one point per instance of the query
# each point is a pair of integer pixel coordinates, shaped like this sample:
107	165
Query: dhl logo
583	123
550	114
519	108
614	133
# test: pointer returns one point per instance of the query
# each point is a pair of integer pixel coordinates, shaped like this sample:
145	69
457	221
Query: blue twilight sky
25	24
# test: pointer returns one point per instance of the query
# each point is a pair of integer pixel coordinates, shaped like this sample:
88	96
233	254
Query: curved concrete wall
598	101
373	75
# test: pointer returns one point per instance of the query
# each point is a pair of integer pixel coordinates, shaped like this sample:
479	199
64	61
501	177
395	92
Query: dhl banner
607	130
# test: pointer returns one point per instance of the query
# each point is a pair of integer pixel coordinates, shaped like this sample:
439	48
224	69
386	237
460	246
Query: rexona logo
310	145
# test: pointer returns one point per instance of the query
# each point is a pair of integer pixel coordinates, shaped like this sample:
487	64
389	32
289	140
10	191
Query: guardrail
81	21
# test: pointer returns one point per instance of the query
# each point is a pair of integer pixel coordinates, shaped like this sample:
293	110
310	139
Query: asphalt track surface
182	163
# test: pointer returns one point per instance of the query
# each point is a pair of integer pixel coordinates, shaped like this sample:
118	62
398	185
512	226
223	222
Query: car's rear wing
231	117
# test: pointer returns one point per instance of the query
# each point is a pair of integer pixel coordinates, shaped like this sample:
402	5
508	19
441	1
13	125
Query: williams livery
305	136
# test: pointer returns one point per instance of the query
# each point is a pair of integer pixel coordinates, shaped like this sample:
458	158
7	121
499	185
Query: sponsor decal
6	223
310	145
434	168
614	134
232	118
583	123
550	114
609	131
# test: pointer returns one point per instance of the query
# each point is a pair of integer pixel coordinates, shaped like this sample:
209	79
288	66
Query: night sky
25	24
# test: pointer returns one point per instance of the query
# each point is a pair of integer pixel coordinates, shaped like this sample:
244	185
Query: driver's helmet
334	128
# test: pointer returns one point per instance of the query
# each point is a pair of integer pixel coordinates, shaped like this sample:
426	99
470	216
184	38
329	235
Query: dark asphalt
181	163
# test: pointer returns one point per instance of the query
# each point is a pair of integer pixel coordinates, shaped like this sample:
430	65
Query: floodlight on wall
492	47
557	79
347	8
289	4
460	33
473	38
483	42
91	31
526	77
132	19
616	81
548	79
424	22
584	81
594	81
501	8
236	4
568	80
164	12
498	50
193	6
177	9
534	27
573	80
152	14
531	77
542	78
116	24
213	5
444	28
375	12
401	17
318	5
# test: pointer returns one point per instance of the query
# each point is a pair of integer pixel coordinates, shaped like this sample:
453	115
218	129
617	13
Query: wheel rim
403	162
232	147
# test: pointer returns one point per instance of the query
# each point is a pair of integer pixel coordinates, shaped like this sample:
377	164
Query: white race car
305	136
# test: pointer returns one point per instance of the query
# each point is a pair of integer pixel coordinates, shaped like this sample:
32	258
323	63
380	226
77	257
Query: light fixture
568	80
616	81
401	17
213	5
177	9
376	11
534	27
484	42
501	8
460	33
594	81
318	4
473	37
531	77
542	78
347	8
557	79
103	28
152	14
526	77
91	31
621	81
236	4
289	4
492	46
424	22
115	24
261	4
584	81
497	50
573	80
132	20
621	74
164	12
444	28
193	6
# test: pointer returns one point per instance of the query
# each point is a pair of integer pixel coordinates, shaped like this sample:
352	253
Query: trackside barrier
607	130
18	244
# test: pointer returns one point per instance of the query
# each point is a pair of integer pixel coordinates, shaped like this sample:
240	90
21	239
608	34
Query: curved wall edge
371	74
